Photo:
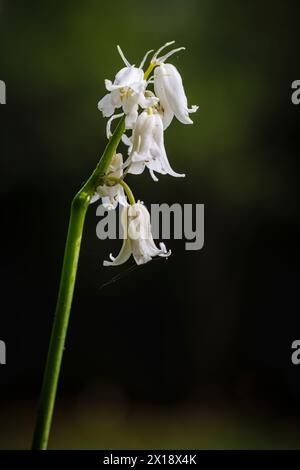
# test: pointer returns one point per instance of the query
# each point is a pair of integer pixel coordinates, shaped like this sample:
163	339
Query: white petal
116	166
147	102
129	77
167	167
131	117
108	84
106	106
140	156
148	147
143	248
159	89
125	251
94	198
136	168
140	237
193	109
109	203
139	254
159	138
167	116
122	198
116	98
126	140
122	257
153	175
169	88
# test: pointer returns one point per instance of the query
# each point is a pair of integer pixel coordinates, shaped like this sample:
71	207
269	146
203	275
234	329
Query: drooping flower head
148	149
127	91
169	89
138	239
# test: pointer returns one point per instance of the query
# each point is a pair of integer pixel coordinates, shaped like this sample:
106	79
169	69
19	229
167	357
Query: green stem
125	186
128	192
79	207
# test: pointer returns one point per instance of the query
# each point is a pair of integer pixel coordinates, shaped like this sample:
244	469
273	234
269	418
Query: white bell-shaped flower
127	91
112	195
138	239
168	87
148	149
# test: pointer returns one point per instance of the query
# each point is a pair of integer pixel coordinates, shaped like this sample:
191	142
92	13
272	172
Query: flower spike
146	114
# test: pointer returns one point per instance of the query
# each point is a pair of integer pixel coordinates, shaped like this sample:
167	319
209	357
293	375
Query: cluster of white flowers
130	92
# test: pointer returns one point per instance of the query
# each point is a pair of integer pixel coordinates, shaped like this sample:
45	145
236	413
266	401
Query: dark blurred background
194	352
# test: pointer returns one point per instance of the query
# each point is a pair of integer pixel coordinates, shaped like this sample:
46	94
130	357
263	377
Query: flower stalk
79	208
145	149
125	186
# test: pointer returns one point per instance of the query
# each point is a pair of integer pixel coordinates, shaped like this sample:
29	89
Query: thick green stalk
60	325
79	207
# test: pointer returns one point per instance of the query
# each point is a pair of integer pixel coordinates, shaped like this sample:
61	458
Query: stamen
166	56
144	59
123	57
160	49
